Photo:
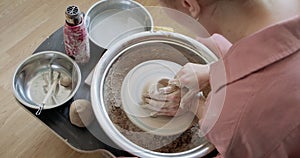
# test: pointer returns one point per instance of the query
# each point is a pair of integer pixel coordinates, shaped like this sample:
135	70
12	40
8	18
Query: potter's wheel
127	130
133	86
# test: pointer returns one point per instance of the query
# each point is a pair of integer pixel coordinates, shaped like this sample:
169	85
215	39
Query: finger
167	90
174	97
160	106
174	112
171	106
150	107
153	114
175	82
155	96
169	113
187	99
155	104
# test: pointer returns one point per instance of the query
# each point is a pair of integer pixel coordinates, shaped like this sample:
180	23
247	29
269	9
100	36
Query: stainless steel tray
57	119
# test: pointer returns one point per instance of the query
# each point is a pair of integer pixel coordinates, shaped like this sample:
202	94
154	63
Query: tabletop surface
25	24
30	26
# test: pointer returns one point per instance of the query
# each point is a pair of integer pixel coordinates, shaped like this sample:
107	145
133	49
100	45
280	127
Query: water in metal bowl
108	21
44	72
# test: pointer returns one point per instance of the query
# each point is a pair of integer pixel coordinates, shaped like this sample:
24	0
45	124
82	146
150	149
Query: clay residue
112	98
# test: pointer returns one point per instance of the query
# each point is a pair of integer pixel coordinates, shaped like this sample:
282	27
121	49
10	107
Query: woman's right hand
192	76
190	80
182	93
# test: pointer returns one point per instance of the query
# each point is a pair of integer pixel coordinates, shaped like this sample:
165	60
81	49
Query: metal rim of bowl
97	94
16	94
87	20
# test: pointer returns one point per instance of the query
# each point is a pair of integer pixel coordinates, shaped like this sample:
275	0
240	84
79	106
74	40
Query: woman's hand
181	94
190	80
192	76
164	103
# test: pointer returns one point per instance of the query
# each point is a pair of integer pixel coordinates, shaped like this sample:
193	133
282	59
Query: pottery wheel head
142	77
138	67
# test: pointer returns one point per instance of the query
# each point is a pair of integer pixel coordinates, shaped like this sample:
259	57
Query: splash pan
110	110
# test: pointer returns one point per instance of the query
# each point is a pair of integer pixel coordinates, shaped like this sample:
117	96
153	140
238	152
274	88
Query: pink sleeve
217	44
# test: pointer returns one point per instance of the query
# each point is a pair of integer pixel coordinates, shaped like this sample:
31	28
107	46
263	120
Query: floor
25	24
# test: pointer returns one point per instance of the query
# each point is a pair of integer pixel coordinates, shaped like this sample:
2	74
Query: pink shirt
254	108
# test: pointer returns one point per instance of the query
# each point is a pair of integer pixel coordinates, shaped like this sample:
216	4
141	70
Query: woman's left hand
181	94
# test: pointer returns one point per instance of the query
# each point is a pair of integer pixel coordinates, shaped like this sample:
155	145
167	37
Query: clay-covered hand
192	76
167	103
179	95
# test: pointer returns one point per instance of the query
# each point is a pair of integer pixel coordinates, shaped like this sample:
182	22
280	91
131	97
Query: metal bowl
118	61
34	76
108	21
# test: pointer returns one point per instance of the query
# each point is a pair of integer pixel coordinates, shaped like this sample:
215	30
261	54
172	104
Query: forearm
203	77
199	108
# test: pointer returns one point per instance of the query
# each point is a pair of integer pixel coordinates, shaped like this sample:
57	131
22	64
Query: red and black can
75	35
